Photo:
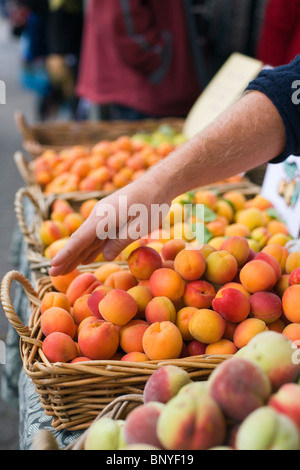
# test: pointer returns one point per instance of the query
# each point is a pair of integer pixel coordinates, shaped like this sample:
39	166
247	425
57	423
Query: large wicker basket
60	135
75	394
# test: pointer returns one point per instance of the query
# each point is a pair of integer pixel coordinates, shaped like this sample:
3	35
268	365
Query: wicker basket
60	135
75	394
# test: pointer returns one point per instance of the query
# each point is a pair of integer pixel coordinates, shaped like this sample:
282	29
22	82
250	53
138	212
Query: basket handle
20	213
23	331
22	166
22	125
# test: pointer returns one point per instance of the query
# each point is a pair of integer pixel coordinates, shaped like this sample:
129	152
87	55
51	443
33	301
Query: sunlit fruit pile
108	166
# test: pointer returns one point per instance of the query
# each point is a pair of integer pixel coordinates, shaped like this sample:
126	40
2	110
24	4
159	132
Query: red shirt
280	39
137	53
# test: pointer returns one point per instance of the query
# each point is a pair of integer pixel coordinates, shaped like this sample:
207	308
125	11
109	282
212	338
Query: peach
98	340
190	264
292	262
171	249
251	217
94	299
142	295
81	309
216	228
206	249
162	341
59	347
257	276
259	202
291	303
261	235
87	207
195	348
277	326
55	299
278	252
52	250
206	197
216	242
84	283
118	307
239	387
131	336
275	226
271	261
229	330
72	222
50	231
165	282
105	434
191	421
238	247
246	330
273	352
141	425
287	402
279	239
294	277
236	198
292	332
105	270
165	383
135	357
183	318
282	285
160	309
222	347
266	306
87	321
235	285
237	230
80	359
123	280
254	245
199	294
232	305
221	267
143	261
57	319
224	208
60	209
62	283
266	429
207	326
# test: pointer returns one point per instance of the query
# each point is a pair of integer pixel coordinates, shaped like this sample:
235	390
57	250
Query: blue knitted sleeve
282	86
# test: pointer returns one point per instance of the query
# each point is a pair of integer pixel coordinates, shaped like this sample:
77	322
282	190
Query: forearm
248	135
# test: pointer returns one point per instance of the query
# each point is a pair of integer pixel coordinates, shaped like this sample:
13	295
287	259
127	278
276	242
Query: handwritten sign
223	90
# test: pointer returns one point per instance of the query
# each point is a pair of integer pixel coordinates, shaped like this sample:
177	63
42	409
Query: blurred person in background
136	59
280	36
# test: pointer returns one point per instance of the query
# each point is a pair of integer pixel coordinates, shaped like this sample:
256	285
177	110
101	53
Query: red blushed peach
235	285
131	336
143	261
61	283
190	264
222	347
123	280
81	309
83	284
118	307
232	305
105	270
80	359
287	401
55	299
87	321
246	330
206	250
221	267
292	332
195	348
87	207
206	197
165	282
266	306
94	299
183	318
292	262
160	309
162	341
165	383
229	330
142	295
59	347
237	247
282	285
207	326
56	319
135	357
258	276
294	277
72	222
99	340
171	249
199	294
237	230
291	303
278	252
141	425
271	261
277	326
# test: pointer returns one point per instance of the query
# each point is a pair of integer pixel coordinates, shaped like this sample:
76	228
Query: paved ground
10	181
